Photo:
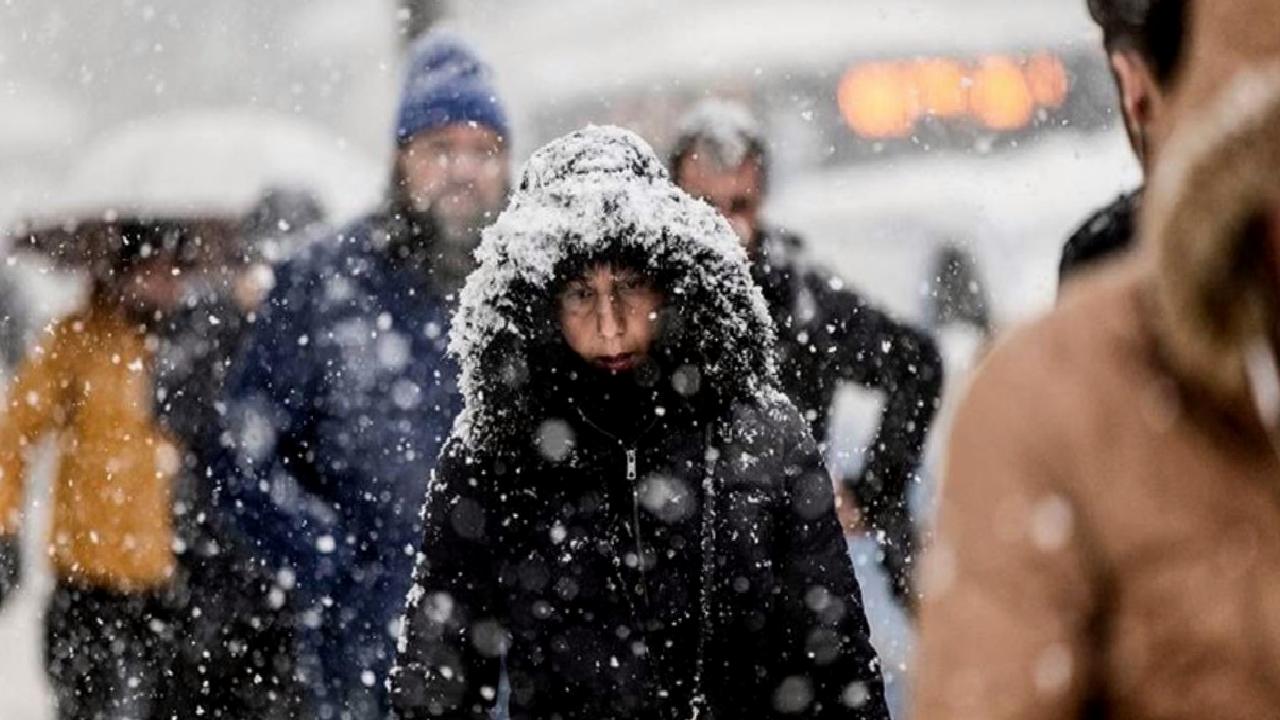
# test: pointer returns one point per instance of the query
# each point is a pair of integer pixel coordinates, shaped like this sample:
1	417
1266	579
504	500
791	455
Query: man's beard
444	253
444	246
454	252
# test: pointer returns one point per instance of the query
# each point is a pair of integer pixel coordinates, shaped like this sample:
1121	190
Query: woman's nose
608	318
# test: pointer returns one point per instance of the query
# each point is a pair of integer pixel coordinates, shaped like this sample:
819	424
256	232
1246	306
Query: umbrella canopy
189	177
38	119
196	162
94	243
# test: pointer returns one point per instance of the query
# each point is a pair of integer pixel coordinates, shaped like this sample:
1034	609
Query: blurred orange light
878	100
1047	78
1000	97
942	87
886	99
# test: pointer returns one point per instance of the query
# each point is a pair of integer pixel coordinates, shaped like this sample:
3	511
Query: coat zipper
635	518
698	702
630	452
635	514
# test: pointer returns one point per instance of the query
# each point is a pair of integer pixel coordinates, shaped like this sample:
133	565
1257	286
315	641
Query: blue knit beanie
447	84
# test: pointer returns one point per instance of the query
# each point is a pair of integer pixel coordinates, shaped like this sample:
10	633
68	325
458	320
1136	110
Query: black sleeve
870	348
447	660
824	641
10	566
1107	233
207	337
13	323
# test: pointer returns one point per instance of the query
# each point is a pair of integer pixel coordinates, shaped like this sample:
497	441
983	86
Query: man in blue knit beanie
344	391
452	137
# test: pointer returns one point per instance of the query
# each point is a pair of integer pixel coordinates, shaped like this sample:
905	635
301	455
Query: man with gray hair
828	334
1144	44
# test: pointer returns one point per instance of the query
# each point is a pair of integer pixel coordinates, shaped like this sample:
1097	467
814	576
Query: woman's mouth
616	363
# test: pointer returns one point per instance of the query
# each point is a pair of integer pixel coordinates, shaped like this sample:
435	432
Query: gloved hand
898	543
10	566
848	511
889	520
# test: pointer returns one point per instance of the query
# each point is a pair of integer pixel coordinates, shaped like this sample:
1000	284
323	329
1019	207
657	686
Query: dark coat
234	654
1107	233
828	335
337	411
14	322
542	562
660	545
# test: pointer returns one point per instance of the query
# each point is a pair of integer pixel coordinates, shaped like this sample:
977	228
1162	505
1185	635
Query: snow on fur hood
602	192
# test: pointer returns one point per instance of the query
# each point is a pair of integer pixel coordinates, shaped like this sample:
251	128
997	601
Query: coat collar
1214	294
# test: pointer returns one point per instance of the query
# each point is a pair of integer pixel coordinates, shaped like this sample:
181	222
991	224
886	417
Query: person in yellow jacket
88	382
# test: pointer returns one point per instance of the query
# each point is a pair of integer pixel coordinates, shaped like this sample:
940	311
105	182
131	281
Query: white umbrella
37	119
219	161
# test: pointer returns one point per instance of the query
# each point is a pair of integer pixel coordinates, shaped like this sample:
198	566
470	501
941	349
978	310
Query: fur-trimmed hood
1219	171
601	192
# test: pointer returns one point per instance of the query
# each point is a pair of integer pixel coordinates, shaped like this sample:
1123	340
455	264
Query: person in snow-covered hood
1109	533
345	394
1144	42
627	510
828	334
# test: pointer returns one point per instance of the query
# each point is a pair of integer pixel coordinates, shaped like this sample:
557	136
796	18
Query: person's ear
1141	100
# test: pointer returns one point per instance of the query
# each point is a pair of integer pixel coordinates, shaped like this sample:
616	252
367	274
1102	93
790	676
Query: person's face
610	317
458	173
251	286
154	286
734	191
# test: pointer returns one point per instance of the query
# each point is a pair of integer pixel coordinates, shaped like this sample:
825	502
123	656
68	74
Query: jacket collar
1214	295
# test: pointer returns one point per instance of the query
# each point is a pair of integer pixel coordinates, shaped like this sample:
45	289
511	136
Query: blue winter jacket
336	415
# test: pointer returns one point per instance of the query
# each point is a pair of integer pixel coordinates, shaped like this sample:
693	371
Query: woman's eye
630	284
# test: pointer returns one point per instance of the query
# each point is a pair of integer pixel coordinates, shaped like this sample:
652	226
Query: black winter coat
1107	233
234	656
591	573
828	335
